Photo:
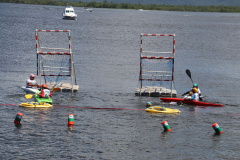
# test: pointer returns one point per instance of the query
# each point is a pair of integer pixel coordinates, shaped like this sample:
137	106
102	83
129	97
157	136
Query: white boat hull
69	17
29	90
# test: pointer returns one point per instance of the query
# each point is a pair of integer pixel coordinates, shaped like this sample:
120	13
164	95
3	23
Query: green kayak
38	99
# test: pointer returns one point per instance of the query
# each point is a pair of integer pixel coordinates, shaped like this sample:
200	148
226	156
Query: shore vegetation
106	4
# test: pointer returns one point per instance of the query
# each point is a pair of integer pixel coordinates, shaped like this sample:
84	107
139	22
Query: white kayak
30	90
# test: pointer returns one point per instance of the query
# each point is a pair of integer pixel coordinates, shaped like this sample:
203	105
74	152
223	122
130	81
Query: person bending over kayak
30	83
45	92
195	95
191	91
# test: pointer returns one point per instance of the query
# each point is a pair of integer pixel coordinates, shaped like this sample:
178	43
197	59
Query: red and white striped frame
38	30
53	53
69	37
150	57
158	35
155	80
161	35
52	75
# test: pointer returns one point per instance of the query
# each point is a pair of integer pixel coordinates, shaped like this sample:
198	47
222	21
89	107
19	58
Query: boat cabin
69	13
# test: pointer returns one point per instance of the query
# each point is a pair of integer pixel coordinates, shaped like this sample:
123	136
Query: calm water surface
106	46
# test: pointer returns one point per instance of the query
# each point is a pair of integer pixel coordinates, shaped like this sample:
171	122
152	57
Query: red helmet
44	86
32	76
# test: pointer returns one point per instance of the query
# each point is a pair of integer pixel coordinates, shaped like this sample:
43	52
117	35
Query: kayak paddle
55	89
189	75
28	96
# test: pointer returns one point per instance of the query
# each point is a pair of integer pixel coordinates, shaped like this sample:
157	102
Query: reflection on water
165	136
216	138
18	126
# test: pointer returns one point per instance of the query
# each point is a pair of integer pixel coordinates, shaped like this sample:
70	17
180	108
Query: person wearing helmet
30	83
148	104
195	85
193	95
45	92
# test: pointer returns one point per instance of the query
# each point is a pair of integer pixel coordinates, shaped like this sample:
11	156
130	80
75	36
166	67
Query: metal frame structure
60	51
172	56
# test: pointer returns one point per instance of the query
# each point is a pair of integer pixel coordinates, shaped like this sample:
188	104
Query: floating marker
166	126
217	129
18	118
70	120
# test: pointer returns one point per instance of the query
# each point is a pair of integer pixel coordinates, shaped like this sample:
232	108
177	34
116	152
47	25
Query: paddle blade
28	96
55	89
188	73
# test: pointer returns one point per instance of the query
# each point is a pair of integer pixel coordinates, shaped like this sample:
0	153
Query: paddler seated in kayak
149	104
191	91
30	83
194	95
45	92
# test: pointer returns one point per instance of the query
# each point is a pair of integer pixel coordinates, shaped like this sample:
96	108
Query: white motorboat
69	13
88	9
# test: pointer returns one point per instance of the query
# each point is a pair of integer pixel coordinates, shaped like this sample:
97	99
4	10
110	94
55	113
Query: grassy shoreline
105	4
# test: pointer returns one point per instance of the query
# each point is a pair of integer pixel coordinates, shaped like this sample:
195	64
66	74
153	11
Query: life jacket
195	97
33	82
46	93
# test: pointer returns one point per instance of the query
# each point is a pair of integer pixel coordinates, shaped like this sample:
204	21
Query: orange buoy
166	126
217	129
70	120
18	118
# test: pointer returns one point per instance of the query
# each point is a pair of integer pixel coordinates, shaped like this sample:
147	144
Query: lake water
106	45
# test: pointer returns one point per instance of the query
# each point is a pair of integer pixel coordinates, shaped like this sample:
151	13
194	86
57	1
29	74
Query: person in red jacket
45	93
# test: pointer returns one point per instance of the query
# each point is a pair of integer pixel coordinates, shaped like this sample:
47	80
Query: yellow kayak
158	109
35	105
